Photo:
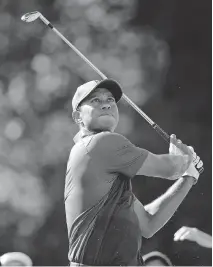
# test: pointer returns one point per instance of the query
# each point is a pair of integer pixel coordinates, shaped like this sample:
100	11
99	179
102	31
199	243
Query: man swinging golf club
105	221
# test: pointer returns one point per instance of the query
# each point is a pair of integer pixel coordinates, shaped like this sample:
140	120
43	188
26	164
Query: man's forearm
165	206
180	165
203	239
165	166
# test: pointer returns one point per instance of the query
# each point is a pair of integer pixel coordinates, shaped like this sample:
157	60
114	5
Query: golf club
32	16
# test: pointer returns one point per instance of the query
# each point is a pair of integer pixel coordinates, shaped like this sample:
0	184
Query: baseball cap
85	89
157	255
24	259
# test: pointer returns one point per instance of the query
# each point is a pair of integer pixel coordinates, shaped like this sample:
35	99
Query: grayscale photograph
105	133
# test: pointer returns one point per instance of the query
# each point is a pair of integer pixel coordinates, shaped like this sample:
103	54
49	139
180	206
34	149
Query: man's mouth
106	114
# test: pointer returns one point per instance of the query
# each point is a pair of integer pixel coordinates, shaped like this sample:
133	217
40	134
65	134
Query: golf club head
31	16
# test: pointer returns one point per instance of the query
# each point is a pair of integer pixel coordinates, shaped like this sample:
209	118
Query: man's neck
85	132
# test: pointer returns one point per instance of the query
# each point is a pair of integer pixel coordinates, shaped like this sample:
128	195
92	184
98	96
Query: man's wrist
197	236
192	179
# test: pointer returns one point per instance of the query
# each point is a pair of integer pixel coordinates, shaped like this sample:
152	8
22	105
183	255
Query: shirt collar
83	133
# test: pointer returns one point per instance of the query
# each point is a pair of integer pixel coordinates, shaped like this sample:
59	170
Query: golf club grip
167	138
201	170
161	132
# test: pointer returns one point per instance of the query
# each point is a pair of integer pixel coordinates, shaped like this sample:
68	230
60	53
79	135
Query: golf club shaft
154	125
126	98
73	47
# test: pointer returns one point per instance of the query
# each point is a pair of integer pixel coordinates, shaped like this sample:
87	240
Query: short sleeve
115	153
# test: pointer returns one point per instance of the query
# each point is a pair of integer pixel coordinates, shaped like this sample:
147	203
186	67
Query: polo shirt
103	228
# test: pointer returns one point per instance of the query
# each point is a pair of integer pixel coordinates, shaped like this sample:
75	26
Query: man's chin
103	128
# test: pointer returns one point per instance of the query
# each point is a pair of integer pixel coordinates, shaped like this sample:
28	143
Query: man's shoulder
77	149
103	140
106	140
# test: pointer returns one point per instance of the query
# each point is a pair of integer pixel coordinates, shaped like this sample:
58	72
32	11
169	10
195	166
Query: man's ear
77	117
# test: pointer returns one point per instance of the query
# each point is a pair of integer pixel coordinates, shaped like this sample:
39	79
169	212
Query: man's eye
96	100
111	99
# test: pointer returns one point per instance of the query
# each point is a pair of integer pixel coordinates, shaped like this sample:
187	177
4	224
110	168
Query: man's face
99	111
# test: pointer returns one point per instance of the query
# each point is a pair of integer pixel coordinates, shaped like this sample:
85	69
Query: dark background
160	51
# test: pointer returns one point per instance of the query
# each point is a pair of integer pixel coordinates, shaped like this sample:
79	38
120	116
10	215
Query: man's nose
105	106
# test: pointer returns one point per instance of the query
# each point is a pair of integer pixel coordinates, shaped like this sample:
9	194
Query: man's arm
164	166
169	166
155	215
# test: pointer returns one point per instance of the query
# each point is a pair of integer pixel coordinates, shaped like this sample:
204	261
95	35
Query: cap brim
111	85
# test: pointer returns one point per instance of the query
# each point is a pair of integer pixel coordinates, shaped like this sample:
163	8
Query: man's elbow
151	229
148	233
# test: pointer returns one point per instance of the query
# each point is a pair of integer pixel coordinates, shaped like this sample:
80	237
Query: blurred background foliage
160	51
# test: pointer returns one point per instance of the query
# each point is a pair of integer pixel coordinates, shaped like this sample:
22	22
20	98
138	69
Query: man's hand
194	235
186	233
182	155
194	167
198	163
178	148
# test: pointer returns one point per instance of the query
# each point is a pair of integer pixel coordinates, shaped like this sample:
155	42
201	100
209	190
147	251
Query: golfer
105	221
